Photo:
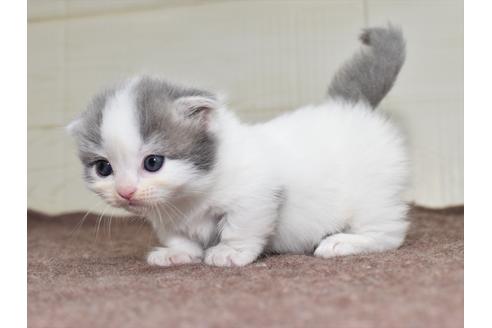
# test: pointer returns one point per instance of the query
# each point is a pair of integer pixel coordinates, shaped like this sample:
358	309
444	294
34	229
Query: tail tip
376	35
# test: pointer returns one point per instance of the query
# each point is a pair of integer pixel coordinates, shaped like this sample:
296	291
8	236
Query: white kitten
325	179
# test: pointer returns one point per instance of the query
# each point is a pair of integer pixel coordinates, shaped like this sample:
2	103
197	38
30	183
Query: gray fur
173	135
154	98
88	129
369	75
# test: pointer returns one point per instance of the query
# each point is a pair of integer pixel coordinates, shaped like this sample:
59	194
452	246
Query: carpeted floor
78	279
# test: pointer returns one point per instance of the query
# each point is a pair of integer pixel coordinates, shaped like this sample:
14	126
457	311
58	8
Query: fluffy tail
369	75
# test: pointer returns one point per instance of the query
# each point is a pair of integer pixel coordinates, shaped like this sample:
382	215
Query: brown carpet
78	279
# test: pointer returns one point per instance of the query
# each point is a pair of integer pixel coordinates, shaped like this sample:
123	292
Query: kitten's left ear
196	108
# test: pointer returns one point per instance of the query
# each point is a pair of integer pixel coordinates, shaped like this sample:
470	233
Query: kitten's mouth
134	203
137	206
134	206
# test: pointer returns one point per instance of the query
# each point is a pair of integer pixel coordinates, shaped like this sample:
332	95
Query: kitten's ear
196	108
72	128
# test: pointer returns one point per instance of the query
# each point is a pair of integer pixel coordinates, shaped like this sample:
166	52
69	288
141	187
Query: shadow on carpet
94	275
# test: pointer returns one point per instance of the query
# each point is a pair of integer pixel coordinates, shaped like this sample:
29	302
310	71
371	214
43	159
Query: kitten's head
147	142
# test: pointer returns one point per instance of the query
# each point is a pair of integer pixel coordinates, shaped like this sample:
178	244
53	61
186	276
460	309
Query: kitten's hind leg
352	242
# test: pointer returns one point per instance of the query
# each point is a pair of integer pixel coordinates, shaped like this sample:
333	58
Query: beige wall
268	56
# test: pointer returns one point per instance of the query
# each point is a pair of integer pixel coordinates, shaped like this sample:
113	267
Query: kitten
324	179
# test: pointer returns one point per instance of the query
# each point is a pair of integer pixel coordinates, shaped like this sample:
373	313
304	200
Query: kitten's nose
126	192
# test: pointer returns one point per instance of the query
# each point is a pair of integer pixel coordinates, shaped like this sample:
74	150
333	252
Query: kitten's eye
103	168
153	163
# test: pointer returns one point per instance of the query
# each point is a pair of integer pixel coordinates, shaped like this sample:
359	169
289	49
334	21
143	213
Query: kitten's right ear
73	127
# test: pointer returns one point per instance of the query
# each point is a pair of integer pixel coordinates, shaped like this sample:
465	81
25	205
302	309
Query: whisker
158	213
109	225
81	222
179	213
99	221
169	216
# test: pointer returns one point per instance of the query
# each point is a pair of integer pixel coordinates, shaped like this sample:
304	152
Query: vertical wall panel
428	98
267	56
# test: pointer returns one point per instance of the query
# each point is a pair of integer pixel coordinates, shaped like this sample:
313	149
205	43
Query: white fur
339	169
124	148
121	136
342	169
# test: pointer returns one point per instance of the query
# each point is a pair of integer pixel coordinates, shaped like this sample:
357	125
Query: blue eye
153	163
103	168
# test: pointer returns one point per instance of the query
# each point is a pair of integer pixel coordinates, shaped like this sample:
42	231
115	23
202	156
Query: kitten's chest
203	227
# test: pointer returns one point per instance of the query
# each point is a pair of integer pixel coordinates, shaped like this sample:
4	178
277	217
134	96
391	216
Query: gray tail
369	75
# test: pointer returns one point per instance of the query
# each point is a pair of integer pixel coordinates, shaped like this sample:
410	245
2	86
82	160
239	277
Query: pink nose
126	192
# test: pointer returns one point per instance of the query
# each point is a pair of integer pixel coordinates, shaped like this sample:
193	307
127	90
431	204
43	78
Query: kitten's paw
350	243
337	245
164	256
223	255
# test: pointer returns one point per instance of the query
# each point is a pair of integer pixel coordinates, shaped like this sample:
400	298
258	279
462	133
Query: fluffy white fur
339	167
342	169
324	179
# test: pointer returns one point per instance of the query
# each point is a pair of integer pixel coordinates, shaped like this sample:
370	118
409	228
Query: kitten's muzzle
126	192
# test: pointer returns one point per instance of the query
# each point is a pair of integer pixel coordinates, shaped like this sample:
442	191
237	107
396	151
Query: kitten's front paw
164	256
223	255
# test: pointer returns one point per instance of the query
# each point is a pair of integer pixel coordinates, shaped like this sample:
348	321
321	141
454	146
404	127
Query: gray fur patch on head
370	74
87	129
170	128
165	124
